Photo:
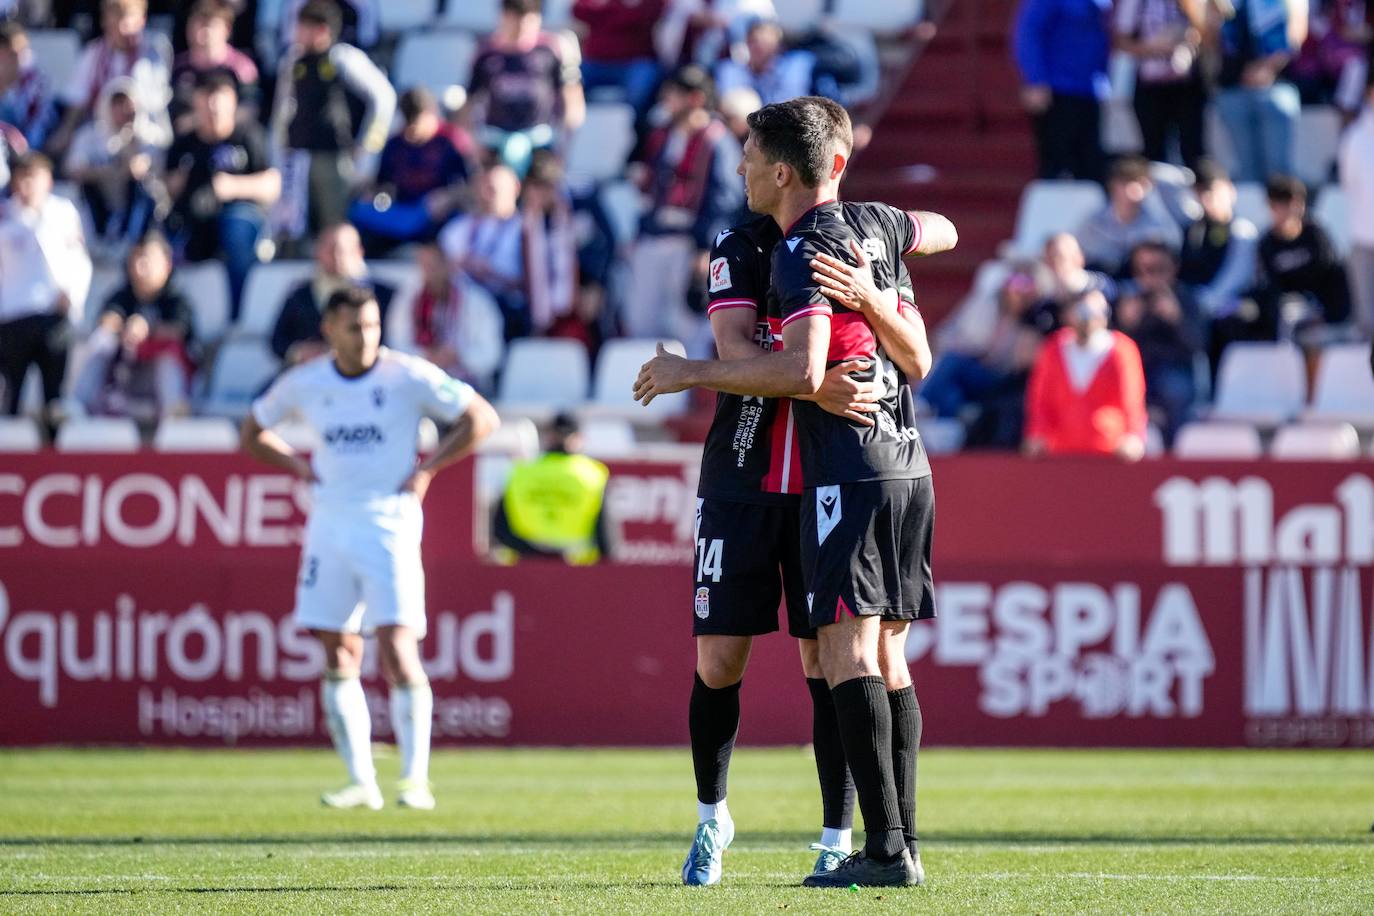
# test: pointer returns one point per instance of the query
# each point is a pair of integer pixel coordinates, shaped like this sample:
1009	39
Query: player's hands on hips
664	374
300	466
851	285
418	483
845	396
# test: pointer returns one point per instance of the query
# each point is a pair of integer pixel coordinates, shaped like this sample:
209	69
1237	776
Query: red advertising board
147	598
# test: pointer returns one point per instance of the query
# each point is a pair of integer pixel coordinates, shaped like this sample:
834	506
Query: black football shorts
866	550
748	557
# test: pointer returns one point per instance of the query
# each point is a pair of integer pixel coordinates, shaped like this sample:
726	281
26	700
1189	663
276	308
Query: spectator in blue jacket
1061	47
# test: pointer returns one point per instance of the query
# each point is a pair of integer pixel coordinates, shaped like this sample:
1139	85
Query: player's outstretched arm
477	422
937	233
269	448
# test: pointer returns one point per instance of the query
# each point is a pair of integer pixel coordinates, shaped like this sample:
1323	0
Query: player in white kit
360	563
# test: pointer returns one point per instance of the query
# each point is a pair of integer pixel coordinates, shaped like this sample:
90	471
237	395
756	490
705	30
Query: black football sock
713	721
837	786
866	728
906	741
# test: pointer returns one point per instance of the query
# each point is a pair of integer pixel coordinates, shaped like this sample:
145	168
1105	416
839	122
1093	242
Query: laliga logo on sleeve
703	603
720	275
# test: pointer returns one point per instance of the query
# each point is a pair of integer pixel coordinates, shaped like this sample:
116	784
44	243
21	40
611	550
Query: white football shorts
361	569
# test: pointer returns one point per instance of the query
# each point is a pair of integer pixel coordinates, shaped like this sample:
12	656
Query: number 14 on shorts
708	558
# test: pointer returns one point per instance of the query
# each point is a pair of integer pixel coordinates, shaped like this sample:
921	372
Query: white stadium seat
799	15
435	59
971	324
1332	212
608	437
543	376
55	52
942	436
602	144
479	16
266	289
98	434
516	437
1315	142
617	367
1260	383
1154	442
1204	441
881	16
20	434
196	434
1048	207
1344	388
624	205
242	369
1316	442
1253	204
404	15
206	287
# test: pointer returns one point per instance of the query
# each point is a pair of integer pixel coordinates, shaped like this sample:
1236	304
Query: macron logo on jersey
793	242
722	236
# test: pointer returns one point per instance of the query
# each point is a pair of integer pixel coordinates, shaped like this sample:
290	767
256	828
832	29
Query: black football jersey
751	453
834	449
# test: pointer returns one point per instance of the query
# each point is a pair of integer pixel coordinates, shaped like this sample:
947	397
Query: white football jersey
367	425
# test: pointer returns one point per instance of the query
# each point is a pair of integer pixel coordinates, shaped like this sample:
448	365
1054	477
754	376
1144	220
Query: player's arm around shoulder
935	233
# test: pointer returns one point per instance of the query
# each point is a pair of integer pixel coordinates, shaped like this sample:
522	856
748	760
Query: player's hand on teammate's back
845	396
851	285
418	483
664	374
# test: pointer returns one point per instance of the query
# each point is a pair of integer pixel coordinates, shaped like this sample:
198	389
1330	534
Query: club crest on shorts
703	603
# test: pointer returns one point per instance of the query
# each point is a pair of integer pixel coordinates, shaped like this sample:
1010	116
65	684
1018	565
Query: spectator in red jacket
1087	390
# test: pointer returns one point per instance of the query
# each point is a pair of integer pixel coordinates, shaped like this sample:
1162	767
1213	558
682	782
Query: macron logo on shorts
827	511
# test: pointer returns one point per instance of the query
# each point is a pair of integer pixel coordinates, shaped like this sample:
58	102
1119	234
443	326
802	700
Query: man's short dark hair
1208	173
521	7
414	102
322	12
214	9
694	78
1152	246
545	168
217	78
30	161
1128	169
803	133
12	35
350	297
1285	189
154	238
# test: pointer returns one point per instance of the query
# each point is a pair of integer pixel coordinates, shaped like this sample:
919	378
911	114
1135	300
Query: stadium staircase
954	139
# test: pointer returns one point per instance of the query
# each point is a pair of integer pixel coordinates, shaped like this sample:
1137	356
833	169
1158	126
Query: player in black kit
868	506
748	556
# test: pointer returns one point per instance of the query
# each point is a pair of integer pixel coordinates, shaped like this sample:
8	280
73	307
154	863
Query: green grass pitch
535	831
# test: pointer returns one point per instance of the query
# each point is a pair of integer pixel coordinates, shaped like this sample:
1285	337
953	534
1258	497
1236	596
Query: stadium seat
1216	139
1154	442
617	367
55	52
1204	440
608	437
1252	204
799	15
266	289
1332	212
602	144
1120	129
973	320
242	369
942	436
543	376
1048	207
19	434
105	282
517	437
624	204
1316	442
1344	389
885	17
206	287
1315	142
477	16
1260	383
98	434
403	15
435	59
196	434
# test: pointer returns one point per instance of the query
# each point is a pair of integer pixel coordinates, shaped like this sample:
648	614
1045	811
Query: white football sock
412	715
718	811
836	838
350	725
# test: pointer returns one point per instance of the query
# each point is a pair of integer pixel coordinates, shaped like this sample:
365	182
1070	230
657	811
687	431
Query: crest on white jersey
720	275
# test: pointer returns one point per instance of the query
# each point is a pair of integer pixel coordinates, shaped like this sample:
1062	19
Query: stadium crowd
245	132
1166	260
